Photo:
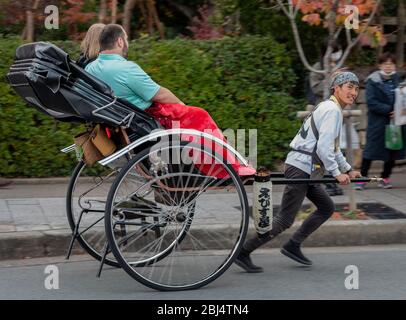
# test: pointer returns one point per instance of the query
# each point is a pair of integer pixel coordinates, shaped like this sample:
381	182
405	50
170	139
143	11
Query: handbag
393	137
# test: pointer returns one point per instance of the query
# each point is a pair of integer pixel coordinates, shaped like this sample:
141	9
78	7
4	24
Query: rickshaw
149	207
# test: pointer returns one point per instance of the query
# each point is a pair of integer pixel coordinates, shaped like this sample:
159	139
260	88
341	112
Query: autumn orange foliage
315	12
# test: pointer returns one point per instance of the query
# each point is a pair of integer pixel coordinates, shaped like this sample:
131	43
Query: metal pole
349	154
282	175
314	181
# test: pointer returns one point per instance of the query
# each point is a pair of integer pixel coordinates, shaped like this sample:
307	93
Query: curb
49	243
35	244
42	181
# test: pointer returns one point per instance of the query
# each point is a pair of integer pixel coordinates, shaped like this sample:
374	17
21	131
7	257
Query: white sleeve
343	165
328	132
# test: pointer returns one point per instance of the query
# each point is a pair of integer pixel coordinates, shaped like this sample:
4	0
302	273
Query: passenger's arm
166	96
142	85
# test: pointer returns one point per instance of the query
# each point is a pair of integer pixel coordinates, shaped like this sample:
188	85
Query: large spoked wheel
85	204
192	215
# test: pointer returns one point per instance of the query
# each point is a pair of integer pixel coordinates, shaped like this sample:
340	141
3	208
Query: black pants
292	200
387	168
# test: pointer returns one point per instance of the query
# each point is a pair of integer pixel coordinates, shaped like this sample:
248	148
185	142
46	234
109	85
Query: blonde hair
90	45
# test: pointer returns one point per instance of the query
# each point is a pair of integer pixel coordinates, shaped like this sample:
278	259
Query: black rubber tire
146	282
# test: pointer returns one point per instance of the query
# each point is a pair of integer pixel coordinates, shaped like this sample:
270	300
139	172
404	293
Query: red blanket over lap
188	117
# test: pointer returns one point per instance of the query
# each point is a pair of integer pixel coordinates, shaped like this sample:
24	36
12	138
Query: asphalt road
382	275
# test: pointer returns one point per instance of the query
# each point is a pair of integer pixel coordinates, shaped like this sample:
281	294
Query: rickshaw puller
314	150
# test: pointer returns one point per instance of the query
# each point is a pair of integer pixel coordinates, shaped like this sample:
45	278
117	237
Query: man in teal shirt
130	82
126	78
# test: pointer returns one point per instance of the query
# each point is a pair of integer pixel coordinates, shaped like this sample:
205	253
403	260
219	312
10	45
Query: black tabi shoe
292	250
243	260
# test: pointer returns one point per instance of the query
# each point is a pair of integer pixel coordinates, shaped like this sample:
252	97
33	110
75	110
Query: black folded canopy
47	79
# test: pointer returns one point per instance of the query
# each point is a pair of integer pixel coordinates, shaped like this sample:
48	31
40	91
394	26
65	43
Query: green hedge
243	82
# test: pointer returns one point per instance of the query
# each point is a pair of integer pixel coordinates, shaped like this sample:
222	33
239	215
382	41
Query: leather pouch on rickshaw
85	148
102	141
94	144
120	137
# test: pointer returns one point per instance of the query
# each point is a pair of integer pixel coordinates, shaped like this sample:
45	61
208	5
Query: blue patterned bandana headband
342	78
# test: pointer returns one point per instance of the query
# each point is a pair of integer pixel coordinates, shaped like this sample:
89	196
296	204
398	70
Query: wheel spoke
197	234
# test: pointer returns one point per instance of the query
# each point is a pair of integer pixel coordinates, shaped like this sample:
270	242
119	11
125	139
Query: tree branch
297	39
332	21
291	9
114	11
338	32
281	5
297	8
128	8
349	47
348	36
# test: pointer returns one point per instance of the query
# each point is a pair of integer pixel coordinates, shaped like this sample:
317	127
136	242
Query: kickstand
105	253
75	234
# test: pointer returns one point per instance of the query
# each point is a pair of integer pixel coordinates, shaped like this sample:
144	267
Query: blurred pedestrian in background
380	96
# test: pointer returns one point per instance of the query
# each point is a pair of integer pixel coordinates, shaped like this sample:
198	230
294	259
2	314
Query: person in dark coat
380	96
90	46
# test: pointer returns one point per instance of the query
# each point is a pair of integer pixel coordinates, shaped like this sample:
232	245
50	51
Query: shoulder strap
312	123
314	128
315	132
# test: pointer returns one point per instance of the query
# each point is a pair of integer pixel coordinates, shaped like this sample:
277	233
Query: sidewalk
33	220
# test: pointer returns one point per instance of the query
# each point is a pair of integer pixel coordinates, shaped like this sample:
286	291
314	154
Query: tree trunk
152	11
350	156
378	20
29	31
148	17
102	11
114	11
30	26
332	28
400	47
128	8
144	11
